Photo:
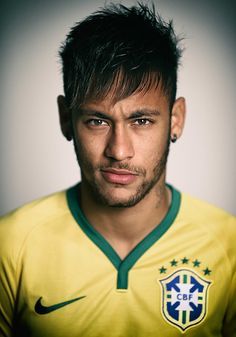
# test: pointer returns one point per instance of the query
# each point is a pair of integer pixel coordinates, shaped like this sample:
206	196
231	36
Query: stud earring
68	137
174	138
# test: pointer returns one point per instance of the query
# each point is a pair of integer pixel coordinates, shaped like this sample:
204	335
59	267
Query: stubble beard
96	191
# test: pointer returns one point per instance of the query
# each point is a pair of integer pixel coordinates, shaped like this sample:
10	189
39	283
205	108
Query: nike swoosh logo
42	309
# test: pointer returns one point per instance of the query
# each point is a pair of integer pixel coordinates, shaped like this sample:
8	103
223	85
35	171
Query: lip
118	176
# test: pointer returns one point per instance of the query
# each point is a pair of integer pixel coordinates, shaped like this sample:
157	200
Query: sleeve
229	324
7	281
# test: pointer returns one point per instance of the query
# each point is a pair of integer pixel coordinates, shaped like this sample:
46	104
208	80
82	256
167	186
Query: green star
207	271
173	263
162	270
185	260
196	263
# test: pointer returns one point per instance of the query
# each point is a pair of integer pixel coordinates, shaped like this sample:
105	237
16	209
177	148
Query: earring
174	138
68	137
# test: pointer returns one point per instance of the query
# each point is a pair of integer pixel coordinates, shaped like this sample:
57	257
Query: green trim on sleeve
123	266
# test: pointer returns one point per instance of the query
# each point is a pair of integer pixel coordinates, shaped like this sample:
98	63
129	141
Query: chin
119	203
119	197
116	198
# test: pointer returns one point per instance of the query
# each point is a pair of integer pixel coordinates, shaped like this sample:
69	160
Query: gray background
35	158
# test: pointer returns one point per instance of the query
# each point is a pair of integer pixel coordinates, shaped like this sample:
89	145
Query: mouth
118	176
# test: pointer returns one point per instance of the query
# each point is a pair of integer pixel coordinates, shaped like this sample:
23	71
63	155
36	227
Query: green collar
123	266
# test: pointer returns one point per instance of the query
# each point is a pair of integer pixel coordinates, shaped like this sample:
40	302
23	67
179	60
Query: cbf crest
184	298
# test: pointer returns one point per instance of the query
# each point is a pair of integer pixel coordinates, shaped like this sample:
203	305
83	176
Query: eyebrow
144	112
90	112
133	115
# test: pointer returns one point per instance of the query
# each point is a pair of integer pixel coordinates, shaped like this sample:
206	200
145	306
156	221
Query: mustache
124	166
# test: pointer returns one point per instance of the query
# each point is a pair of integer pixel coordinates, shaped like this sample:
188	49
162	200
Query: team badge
184	298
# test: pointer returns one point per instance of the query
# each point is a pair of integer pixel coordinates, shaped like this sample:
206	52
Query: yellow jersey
59	277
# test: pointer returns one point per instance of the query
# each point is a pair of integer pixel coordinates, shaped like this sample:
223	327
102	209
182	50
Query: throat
123	248
125	228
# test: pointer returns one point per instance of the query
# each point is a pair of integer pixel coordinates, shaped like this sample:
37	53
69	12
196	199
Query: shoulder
200	211
17	225
213	222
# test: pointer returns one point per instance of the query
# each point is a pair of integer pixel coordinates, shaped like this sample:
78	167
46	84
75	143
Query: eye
142	121
96	122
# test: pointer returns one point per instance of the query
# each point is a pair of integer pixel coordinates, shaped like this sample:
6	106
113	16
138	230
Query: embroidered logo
184	298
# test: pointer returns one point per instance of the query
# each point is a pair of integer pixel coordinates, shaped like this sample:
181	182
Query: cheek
89	150
151	150
94	140
151	145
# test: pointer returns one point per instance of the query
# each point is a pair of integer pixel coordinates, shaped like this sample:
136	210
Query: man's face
122	147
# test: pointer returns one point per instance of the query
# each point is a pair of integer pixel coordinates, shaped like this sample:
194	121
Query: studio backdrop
35	158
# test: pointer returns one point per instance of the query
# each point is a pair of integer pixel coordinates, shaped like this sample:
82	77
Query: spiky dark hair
119	48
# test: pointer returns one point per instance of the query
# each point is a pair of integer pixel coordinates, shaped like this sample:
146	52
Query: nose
119	144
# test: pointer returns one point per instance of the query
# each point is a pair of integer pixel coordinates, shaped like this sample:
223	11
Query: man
122	253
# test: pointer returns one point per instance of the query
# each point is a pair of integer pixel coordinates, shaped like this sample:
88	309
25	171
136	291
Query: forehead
154	99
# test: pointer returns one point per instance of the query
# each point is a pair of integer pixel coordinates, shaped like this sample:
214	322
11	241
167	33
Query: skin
122	149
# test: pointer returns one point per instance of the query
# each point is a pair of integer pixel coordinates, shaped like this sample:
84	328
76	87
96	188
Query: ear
178	118
65	117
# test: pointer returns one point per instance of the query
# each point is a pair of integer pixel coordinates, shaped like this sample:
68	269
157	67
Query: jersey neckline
123	266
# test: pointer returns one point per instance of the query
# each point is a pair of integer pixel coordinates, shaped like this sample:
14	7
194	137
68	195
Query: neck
125	227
